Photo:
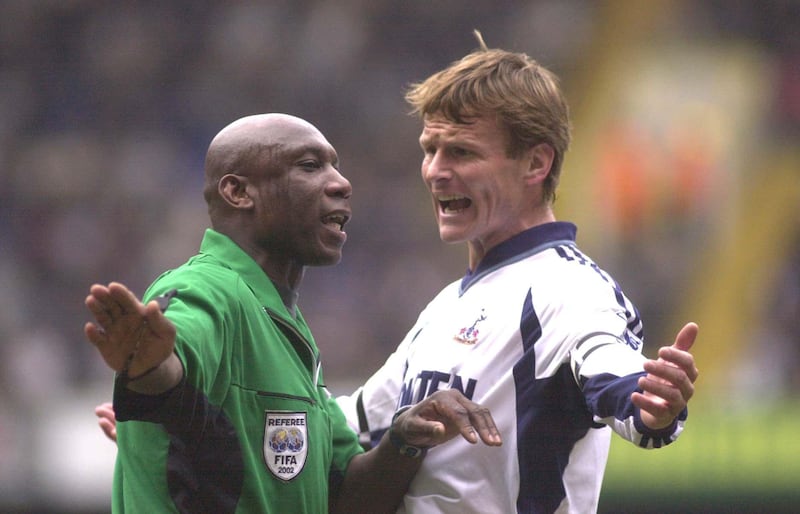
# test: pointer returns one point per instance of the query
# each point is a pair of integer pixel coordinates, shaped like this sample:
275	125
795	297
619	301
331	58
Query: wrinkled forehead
276	137
436	126
296	141
460	110
297	136
265	145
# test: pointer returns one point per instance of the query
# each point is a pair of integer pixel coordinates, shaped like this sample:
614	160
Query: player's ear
233	189
541	158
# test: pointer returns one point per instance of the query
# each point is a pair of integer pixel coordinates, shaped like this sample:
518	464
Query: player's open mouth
336	219
453	203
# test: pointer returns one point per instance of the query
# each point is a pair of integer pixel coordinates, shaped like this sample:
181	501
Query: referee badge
285	443
469	335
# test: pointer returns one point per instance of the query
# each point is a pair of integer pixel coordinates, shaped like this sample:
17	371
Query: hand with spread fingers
133	338
444	415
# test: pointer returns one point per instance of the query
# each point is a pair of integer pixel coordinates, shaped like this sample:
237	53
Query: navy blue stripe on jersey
363	426
609	395
658	438
549	412
529	325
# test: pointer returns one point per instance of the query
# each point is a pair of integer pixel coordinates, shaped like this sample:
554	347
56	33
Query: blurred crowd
107	110
107	107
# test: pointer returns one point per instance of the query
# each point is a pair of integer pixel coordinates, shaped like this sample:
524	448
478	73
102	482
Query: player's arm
669	383
643	400
377	480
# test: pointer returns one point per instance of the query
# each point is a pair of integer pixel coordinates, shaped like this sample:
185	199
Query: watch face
412	451
405	449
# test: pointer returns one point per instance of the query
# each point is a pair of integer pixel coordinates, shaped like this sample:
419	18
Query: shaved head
247	147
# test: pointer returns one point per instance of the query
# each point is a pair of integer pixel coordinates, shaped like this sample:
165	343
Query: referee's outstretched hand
133	338
444	415
669	383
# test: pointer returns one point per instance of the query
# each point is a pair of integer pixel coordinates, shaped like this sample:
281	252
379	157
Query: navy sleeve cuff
132	406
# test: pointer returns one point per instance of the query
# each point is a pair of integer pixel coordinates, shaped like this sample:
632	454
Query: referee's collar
524	244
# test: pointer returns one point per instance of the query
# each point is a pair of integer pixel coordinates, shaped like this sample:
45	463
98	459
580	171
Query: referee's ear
233	190
541	160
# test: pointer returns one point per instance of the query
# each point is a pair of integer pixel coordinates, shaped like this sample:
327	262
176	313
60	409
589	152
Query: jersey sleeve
203	318
369	409
607	370
604	352
199	316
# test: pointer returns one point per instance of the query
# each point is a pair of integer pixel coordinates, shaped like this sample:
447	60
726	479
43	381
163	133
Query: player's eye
458	151
310	165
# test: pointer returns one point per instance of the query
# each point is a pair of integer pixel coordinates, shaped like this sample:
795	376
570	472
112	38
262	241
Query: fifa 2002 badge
469	335
285	443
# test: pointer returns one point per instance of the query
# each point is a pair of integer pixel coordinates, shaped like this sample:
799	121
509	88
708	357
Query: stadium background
684	179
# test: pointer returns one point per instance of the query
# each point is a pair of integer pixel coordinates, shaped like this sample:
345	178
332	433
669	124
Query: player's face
303	200
477	189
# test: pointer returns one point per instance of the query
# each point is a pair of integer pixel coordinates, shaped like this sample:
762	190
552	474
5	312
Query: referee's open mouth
336	219
450	204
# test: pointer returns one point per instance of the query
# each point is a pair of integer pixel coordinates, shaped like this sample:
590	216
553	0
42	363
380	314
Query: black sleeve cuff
132	406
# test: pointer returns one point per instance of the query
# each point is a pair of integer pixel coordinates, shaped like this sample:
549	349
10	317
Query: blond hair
524	95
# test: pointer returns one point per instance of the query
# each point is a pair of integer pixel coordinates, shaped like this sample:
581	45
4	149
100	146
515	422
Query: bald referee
219	393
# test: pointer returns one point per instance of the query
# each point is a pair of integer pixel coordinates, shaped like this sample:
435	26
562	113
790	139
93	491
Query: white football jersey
547	341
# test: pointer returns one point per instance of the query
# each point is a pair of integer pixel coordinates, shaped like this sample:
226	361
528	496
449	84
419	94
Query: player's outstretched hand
669	383
107	420
130	336
444	415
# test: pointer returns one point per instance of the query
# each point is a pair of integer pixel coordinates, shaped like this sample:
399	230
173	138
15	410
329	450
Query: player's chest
467	334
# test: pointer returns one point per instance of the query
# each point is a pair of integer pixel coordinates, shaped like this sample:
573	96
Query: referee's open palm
131	337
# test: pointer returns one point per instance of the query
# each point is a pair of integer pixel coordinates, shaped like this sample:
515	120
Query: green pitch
724	456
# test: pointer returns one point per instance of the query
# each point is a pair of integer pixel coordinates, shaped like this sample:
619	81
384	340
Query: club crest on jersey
469	335
285	443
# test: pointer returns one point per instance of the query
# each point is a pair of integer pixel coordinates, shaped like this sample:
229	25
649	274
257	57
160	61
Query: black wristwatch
414	452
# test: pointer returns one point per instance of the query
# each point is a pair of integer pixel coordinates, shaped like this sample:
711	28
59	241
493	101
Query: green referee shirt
251	428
